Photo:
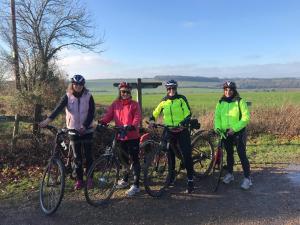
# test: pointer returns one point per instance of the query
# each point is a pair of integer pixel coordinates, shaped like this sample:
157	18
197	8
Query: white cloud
95	66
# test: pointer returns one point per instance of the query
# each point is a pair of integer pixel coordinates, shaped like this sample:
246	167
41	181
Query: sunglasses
171	88
125	92
77	84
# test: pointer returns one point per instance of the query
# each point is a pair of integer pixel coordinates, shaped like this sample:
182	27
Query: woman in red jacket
126	112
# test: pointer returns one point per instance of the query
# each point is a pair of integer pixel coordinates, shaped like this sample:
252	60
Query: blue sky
224	38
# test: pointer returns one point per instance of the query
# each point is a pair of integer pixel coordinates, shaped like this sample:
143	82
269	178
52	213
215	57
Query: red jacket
124	112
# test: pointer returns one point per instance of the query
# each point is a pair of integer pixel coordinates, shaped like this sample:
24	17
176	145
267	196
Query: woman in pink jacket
126	112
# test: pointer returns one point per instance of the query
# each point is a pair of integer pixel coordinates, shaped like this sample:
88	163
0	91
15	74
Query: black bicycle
157	168
105	170
52	185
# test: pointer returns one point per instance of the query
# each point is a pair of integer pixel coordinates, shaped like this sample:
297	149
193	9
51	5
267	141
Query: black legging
131	148
76	142
184	141
239	140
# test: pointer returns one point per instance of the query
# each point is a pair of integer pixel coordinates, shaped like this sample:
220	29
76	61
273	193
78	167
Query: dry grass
283	121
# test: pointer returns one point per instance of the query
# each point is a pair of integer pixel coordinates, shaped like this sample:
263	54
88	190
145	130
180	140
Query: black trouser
239	140
76	142
184	140
131	148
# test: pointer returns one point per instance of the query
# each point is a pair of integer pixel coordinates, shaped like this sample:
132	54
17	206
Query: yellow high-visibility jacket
231	115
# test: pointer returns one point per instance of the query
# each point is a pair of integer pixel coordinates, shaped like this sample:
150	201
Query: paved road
274	199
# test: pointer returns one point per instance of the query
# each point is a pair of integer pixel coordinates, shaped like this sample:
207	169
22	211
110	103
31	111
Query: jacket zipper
171	112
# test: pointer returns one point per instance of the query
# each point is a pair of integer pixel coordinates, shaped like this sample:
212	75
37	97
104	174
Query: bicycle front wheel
105	173
52	186
156	172
216	171
202	154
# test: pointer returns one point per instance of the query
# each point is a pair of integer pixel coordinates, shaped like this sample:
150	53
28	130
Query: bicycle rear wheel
217	169
202	154
105	173
52	186
156	171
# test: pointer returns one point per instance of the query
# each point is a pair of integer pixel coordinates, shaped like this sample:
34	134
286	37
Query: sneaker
121	184
190	187
90	183
228	178
246	183
132	191
78	185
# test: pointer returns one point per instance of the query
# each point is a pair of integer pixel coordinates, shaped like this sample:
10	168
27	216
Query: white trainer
246	184
132	190
122	184
228	178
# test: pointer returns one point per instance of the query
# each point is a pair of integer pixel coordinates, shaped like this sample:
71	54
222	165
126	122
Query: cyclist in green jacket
176	112
231	117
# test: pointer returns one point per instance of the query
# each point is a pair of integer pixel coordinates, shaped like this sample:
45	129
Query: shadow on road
273	199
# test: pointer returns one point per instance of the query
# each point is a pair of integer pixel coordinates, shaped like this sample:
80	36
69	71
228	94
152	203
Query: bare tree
45	27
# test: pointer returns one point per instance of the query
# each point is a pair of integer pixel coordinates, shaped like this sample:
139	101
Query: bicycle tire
52	186
105	173
217	169
202	154
156	171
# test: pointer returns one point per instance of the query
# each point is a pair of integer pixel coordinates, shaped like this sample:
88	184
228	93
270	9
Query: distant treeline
245	83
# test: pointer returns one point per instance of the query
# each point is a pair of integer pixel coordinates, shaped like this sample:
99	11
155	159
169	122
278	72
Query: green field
203	102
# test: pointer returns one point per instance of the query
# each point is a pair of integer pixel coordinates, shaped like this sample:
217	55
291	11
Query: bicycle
59	165
157	168
105	170
217	167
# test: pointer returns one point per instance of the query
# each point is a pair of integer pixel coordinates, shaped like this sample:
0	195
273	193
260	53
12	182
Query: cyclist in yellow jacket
176	112
231	117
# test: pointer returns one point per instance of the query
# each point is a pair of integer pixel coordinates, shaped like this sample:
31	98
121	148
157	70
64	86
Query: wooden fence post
15	132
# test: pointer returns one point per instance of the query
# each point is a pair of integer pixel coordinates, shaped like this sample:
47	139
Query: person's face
125	93
171	91
228	92
77	87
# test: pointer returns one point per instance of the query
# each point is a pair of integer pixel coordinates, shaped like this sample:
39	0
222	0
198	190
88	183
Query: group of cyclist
231	118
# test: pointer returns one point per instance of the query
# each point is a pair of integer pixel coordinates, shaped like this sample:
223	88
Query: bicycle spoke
52	187
105	173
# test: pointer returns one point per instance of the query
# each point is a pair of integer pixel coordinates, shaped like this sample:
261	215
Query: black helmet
78	79
171	83
229	84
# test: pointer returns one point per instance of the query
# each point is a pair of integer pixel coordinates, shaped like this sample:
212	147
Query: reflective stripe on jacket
174	110
227	115
77	110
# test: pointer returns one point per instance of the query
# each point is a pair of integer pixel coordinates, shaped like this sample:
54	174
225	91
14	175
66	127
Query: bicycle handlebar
167	126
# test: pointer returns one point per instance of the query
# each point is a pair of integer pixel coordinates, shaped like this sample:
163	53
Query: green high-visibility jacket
231	115
174	109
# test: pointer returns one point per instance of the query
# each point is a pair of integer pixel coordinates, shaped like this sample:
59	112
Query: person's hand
82	130
230	132
130	127
45	122
185	122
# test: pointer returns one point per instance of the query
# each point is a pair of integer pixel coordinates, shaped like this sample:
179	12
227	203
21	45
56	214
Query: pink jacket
77	110
124	112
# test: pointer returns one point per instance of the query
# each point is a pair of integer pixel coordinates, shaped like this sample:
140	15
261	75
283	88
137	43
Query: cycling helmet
78	79
229	84
171	83
124	85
